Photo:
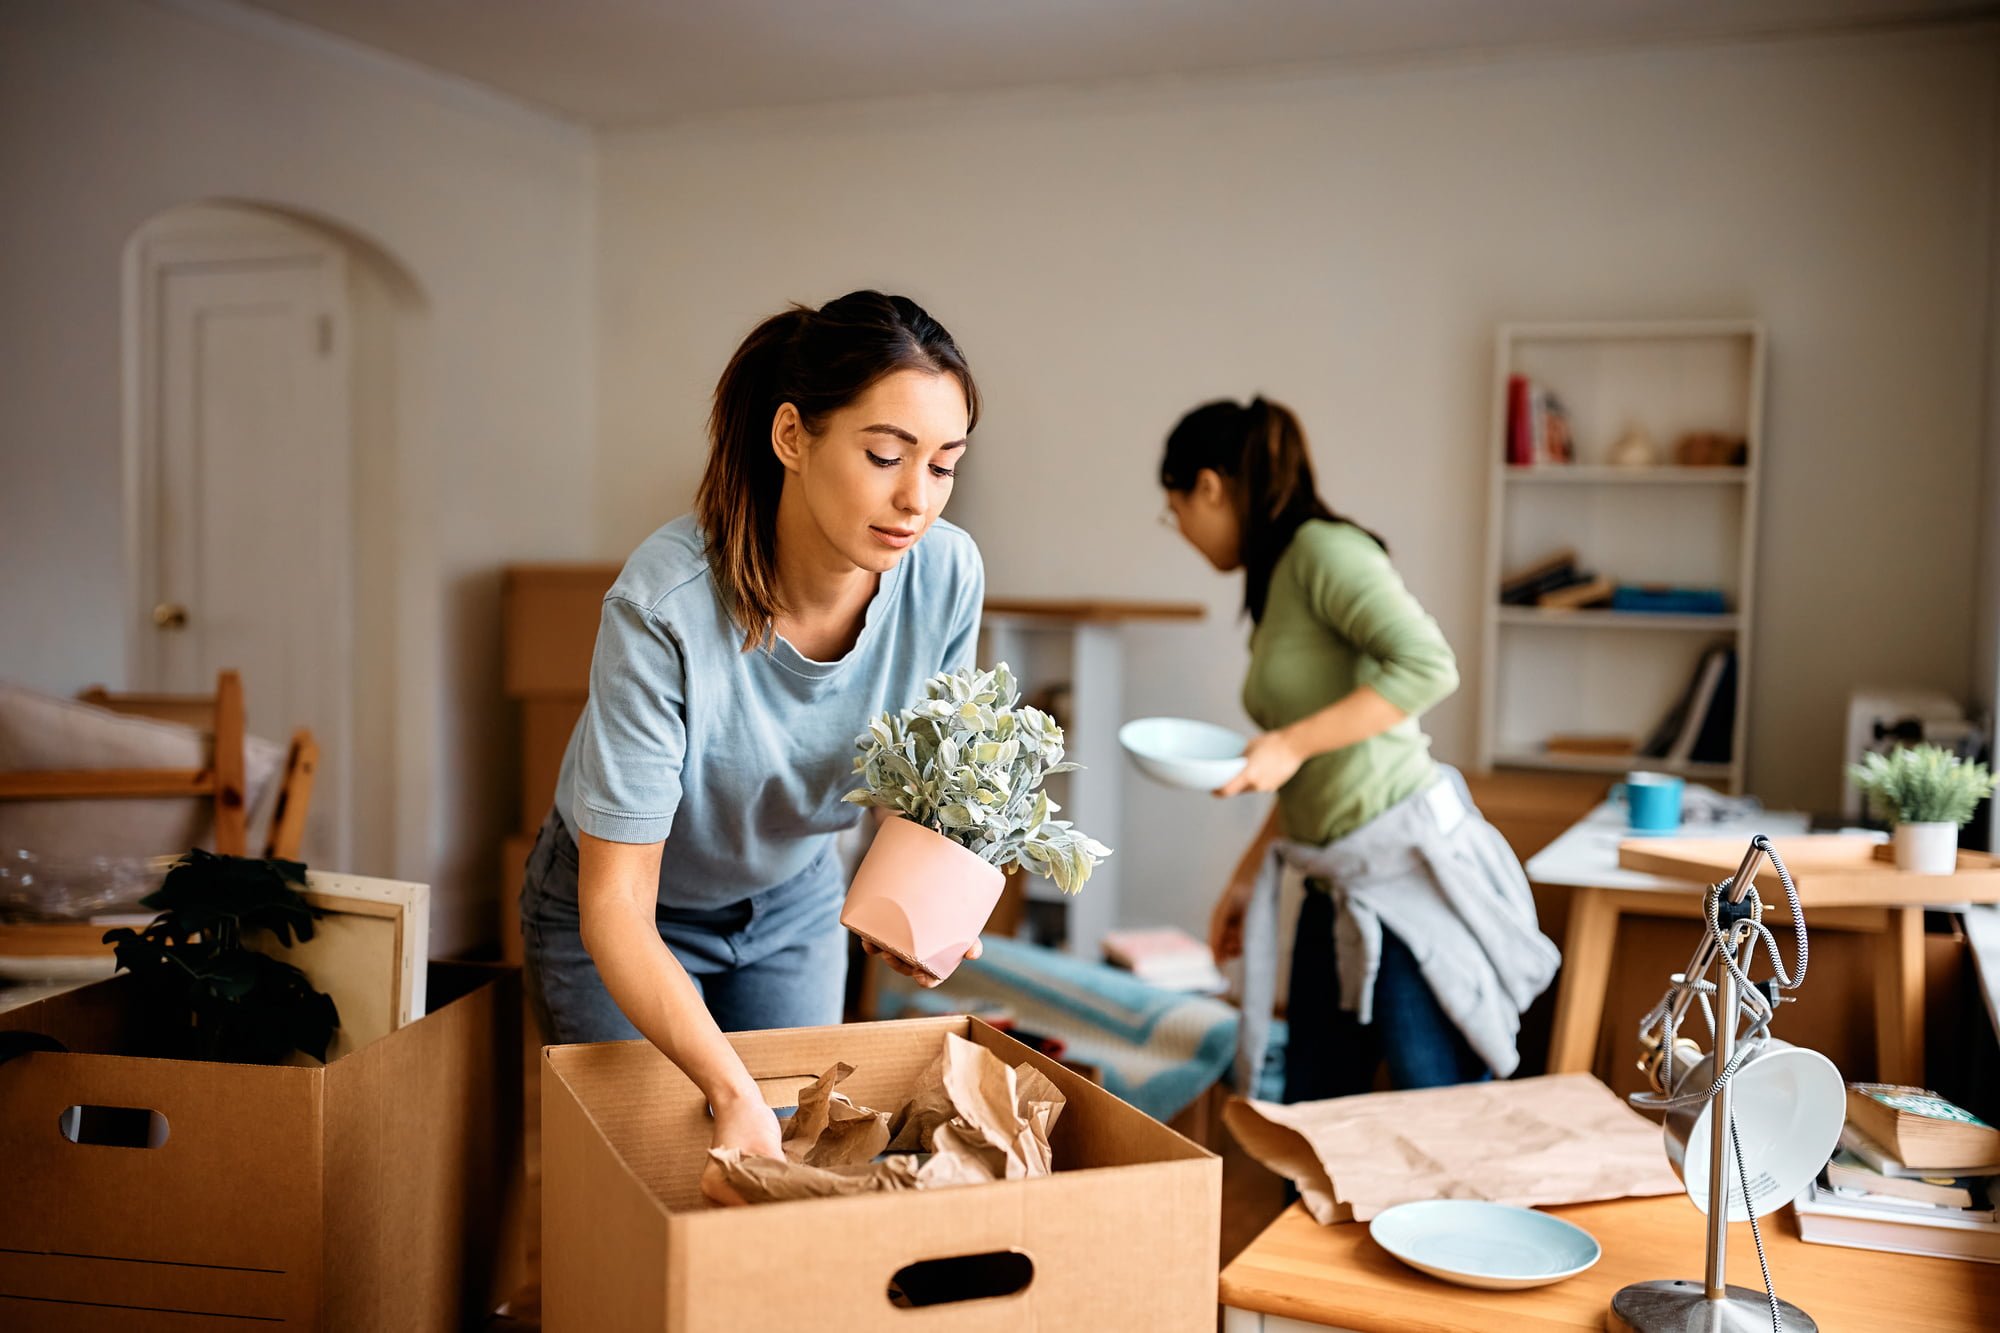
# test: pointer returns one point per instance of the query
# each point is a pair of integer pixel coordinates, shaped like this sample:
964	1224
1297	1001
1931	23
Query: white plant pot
1927	849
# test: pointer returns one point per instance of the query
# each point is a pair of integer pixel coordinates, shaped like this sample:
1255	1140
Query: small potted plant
962	769
1929	792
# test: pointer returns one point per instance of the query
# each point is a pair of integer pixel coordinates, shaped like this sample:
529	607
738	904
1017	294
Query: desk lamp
1749	1124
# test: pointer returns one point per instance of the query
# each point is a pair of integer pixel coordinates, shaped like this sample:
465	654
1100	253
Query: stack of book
1538	430
1555	581
1701	726
1915	1174
1166	957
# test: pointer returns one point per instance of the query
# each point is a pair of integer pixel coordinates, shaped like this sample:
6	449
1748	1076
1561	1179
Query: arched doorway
266	388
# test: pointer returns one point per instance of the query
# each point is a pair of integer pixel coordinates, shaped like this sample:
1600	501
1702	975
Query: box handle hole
114	1126
964	1277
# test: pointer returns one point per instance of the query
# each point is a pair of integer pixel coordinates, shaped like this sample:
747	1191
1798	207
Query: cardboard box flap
1090	1141
410	1198
96	1017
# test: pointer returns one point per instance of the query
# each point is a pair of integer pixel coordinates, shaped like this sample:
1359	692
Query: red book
1520	422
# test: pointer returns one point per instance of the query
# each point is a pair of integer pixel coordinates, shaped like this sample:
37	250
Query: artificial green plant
968	760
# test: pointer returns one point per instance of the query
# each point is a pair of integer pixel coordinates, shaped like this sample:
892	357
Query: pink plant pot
921	896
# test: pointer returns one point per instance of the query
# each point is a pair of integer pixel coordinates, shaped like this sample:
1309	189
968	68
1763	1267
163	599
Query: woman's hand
1225	923
743	1122
1268	764
922	978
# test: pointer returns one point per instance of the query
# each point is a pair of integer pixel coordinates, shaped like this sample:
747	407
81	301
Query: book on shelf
1538	429
1661	599
1920	1128
1715	741
1701	726
1878	1158
1166	957
1826	1218
1556	570
1575	596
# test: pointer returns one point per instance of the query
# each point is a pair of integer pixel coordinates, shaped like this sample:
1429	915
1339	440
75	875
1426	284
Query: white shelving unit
1078	645
1618	672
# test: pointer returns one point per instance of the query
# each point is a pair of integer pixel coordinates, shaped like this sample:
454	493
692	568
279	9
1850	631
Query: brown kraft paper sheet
972	1120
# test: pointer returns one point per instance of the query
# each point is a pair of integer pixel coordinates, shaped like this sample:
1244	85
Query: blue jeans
777	959
1328	1053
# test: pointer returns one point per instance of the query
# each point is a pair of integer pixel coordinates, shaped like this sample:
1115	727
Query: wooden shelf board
1601	474
1092	609
1608	763
1586	618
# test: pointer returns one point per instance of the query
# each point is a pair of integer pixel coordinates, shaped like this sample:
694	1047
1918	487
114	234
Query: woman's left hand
1268	764
924	979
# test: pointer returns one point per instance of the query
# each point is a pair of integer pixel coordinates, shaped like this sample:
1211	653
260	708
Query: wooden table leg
1899	998
1586	975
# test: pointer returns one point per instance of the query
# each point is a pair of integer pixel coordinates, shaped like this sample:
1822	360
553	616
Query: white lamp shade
1788	1103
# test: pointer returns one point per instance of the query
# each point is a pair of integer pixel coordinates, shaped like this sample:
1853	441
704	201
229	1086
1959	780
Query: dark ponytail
819	361
1260	452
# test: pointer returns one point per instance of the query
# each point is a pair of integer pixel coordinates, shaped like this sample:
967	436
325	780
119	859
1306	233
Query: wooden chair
222	782
222	715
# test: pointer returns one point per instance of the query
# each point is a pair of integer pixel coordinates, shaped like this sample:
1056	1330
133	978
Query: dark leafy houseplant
205	995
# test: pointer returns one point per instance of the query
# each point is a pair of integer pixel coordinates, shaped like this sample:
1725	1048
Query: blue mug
1652	801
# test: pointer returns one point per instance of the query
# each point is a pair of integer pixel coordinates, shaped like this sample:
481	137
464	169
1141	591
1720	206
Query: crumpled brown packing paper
1560	1138
976	1119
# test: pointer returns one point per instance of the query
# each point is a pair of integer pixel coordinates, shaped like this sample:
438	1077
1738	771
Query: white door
241	459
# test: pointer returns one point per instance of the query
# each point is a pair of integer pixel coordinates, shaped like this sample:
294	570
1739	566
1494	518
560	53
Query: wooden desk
1301	1276
1585	860
1608	884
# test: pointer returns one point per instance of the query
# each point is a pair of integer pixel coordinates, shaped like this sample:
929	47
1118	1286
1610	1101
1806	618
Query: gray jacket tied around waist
1432	870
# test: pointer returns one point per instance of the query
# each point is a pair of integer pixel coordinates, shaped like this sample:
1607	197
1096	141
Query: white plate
1183	753
1479	1244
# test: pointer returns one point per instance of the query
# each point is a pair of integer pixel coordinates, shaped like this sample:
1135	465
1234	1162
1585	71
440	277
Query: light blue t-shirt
737	761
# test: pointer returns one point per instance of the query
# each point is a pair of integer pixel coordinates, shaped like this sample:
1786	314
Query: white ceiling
628	63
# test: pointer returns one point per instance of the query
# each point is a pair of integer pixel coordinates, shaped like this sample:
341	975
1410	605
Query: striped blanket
1158	1049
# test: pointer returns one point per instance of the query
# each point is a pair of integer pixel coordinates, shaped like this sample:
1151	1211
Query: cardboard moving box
368	1193
1124	1235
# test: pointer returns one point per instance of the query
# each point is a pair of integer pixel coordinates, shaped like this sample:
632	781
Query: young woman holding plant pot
685	883
1416	941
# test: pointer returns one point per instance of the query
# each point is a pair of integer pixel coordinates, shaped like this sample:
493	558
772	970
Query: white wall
1348	244
112	111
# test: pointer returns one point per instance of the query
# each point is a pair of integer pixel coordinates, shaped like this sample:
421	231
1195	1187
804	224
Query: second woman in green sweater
1342	662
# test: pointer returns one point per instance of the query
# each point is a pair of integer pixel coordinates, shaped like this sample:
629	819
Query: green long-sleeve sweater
1338	617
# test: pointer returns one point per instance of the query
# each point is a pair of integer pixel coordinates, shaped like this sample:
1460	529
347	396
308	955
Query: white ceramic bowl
1183	753
1479	1244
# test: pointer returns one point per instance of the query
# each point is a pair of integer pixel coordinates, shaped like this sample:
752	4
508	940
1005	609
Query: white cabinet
1582	673
1077	647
